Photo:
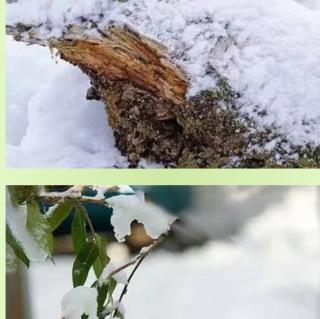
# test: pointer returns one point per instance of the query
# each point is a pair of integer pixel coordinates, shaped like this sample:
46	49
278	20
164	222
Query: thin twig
139	260
130	263
56	199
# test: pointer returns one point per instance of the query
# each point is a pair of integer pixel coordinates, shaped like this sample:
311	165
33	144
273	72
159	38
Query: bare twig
56	199
130	263
138	262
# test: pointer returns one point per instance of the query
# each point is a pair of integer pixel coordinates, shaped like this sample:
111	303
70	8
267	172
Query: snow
311	4
78	301
271	270
127	209
120	277
267	50
77	191
103	189
16	220
49	124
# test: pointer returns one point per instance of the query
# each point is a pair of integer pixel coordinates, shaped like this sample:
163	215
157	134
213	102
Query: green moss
207	131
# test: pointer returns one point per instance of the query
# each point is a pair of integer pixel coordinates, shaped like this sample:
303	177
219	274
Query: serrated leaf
83	262
78	230
39	227
103	259
59	214
16	247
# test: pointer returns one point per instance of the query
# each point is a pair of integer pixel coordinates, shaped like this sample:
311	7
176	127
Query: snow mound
49	121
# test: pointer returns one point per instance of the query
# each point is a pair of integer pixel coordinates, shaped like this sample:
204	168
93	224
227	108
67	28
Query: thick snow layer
79	301
129	208
311	4
270	271
16	220
49	121
267	50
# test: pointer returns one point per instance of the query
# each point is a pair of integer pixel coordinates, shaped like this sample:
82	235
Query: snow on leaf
16	220
80	301
39	227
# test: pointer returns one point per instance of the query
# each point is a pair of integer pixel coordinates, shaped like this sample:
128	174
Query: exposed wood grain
120	54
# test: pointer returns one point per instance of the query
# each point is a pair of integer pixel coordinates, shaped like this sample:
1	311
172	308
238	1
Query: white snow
16	220
271	270
120	277
267	50
129	208
78	301
103	189
311	4
49	121
76	191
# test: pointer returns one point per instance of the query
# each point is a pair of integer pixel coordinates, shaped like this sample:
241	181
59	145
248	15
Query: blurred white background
261	260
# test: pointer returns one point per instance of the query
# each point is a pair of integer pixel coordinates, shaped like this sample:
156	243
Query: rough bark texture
145	98
144	94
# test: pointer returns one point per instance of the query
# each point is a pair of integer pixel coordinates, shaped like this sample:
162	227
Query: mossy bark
145	98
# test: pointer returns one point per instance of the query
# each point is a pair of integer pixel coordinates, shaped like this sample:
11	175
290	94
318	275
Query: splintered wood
126	56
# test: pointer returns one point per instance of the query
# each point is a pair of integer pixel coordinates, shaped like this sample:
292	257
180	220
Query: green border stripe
164	176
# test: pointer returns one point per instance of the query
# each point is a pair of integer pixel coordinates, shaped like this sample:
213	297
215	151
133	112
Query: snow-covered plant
34	213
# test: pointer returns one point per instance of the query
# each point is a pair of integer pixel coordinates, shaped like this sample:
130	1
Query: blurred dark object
17	303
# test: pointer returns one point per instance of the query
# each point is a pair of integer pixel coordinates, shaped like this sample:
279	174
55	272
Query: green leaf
103	259
19	194
39	227
84	316
16	247
60	213
118	314
83	262
112	283
102	296
78	230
